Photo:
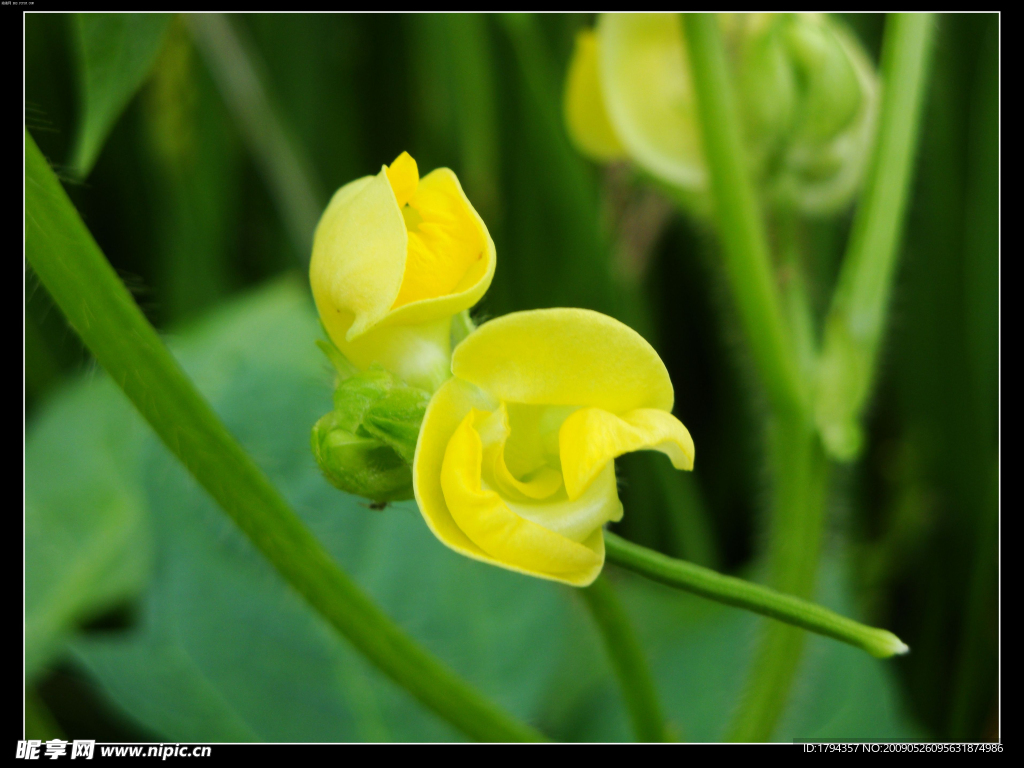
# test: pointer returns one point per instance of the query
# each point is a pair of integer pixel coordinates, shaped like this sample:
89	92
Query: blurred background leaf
116	52
86	527
188	632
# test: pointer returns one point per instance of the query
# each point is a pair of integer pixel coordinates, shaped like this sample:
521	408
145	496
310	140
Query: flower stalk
857	318
628	661
757	598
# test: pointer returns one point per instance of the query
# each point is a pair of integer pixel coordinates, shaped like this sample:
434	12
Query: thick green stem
729	590
800	475
69	263
745	250
794	294
628	660
857	318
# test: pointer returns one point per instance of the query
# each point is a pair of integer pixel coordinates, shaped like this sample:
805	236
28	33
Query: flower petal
576	519
450	250
404	176
564	357
448	408
494	432
649	95
482	514
585	113
358	257
590	438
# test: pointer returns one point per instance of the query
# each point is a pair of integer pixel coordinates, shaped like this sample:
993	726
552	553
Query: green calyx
365	446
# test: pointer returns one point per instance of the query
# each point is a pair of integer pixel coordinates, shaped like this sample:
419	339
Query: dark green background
184	213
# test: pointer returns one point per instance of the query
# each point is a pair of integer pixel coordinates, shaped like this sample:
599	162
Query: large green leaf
116	52
224	650
86	543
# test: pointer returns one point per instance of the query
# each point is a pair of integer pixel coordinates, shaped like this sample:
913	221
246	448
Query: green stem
744	245
857	317
794	294
798	470
800	476
628	660
287	173
750	596
67	260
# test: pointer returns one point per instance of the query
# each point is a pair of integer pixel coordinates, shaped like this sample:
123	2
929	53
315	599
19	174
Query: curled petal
579	518
488	521
564	357
451	257
448	410
591	438
543	483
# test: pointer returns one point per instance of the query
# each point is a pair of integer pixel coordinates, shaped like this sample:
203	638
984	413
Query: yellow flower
806	90
394	258
514	462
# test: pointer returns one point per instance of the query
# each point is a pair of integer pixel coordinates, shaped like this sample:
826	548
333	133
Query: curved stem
750	596
628	660
67	260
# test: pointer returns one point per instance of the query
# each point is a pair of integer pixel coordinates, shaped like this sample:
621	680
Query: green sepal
363	466
395	419
341	363
365	446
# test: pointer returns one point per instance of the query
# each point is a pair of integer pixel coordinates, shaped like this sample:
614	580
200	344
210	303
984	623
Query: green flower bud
363	466
832	94
832	135
365	446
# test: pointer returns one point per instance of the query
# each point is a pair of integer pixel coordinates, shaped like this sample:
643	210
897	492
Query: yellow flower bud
514	464
394	258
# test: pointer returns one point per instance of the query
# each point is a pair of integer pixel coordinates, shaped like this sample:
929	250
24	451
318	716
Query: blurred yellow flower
514	463
394	258
807	93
